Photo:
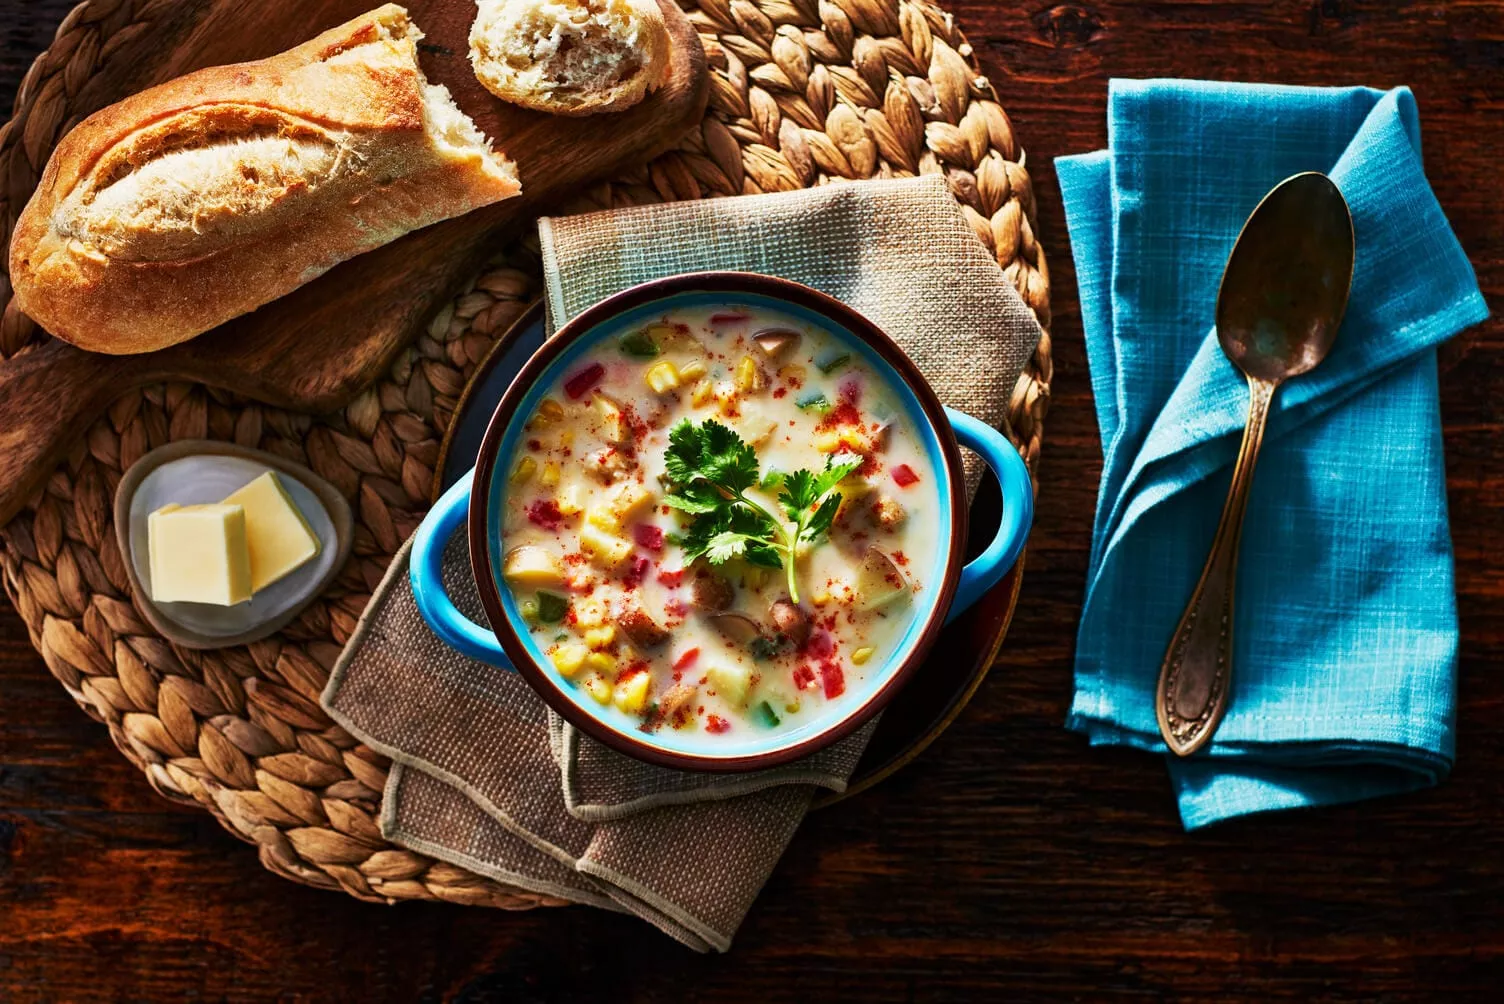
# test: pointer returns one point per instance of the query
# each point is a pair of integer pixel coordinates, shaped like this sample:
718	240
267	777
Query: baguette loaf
203	198
570	57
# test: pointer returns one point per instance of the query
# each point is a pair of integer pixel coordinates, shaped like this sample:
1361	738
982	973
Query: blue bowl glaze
951	586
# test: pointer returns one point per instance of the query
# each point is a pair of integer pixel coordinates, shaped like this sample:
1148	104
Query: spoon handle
1196	676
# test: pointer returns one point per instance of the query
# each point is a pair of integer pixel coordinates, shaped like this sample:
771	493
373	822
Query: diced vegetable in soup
710	519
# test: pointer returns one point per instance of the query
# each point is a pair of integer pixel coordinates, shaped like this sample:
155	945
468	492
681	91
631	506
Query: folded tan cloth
488	778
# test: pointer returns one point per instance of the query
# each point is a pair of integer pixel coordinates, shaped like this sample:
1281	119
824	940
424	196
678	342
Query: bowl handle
426	572
988	568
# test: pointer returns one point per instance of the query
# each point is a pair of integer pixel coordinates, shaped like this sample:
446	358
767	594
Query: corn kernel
702	393
827	440
525	469
726	396
792	707
549	411
601	662
692	370
861	655
632	693
748	376
662	377
598	689
550	475
820	599
568	658
600	637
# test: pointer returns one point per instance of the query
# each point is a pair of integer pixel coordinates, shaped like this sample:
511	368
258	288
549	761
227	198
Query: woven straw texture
803	92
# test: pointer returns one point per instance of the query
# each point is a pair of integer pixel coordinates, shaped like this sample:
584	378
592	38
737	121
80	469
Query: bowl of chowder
716	521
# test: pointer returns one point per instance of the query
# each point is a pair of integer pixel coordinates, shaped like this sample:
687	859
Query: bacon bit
903	476
850	390
716	724
803	676
686	660
648	536
634	575
535	445
833	678
780	392
820	644
545	513
727	317
579	385
844	413
671	579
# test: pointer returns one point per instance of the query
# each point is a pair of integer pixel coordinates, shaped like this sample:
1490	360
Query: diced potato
627	499
571	501
589	613
792	373
702	393
692	370
755	427
730	682
880	581
614	427
598	689
662	377
568	658
604	549
632	693
550	476
532	565
525	469
601	638
602	662
726	396
609	463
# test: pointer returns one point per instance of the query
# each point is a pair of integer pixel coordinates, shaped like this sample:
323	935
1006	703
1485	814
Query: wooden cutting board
315	348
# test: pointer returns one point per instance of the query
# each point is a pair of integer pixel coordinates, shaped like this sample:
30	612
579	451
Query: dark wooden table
1010	862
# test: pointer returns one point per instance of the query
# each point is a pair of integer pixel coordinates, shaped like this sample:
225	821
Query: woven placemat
803	92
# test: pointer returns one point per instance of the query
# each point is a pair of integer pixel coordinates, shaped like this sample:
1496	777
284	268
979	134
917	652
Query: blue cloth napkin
1346	628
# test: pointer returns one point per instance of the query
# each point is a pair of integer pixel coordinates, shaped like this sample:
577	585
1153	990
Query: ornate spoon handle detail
1196	676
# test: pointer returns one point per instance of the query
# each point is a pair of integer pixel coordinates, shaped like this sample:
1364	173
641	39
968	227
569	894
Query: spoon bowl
1285	287
1282	298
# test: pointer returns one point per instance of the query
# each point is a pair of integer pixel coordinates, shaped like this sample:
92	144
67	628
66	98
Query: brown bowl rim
731	283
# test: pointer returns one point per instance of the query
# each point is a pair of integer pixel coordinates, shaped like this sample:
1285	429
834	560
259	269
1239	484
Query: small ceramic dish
953	585
193	471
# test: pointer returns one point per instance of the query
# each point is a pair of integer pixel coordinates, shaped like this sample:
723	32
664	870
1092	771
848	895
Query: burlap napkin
485	776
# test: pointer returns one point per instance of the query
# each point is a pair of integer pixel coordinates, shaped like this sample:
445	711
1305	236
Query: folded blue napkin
1346	627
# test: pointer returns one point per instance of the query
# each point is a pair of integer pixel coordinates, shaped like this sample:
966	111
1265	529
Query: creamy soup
719	521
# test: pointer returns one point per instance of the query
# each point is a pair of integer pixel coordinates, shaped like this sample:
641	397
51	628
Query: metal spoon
1282	298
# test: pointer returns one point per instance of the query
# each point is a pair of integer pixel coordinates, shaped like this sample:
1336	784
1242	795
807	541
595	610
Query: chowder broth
596	558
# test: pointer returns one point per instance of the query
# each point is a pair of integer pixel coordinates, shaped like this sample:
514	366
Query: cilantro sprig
712	468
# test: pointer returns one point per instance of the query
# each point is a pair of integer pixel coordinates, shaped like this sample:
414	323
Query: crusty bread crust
501	75
293	164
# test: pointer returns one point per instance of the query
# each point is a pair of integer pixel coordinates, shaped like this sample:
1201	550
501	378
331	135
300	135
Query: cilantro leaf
798	493
825	515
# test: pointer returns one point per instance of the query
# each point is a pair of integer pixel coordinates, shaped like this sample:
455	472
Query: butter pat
276	533
199	555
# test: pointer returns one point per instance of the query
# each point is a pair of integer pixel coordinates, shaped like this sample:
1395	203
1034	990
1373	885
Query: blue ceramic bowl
953	584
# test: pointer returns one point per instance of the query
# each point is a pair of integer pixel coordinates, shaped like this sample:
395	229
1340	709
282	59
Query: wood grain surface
1010	862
